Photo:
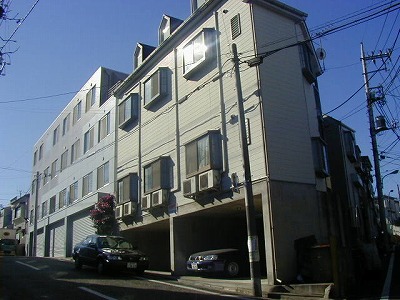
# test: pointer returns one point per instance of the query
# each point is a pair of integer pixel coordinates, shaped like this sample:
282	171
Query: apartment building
73	166
352	210
179	163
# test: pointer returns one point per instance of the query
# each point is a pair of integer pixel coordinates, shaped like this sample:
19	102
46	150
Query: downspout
225	162
267	207
177	131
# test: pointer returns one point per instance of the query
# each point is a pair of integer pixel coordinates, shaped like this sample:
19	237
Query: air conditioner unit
209	180
118	212
190	186
146	202
159	197
129	208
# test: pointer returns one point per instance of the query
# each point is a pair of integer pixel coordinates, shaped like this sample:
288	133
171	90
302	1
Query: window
127	188
90	98
350	147
73	192
88	140
64	160
55	135
41	151
103	175
66	122
77	112
204	154
46	175
75	151
104	127
197	51
35	158
17	212
156	86
62	198
87	185
52	207
320	157
44	209
54	169
31	216
157	175
128	110
196	4
310	66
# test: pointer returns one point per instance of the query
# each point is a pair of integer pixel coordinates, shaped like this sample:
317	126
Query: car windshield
113	243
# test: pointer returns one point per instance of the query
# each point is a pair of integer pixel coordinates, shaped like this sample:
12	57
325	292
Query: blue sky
61	44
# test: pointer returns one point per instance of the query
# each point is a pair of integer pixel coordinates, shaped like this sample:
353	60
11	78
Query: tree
103	215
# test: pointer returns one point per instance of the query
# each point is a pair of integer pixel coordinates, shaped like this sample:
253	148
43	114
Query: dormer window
196	4
142	51
167	27
197	51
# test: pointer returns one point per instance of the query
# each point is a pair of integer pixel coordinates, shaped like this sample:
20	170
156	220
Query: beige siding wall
285	106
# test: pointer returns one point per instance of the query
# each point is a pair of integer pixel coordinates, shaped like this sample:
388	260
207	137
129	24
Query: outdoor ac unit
159	197
118	212
146	202
129	208
209	180
190	186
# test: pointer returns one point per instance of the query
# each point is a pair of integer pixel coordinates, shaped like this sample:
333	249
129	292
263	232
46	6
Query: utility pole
34	248
252	238
373	131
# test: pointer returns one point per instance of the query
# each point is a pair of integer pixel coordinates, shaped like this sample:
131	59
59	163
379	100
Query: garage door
82	227
40	242
57	240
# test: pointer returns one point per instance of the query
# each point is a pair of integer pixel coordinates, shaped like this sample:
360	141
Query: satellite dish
321	53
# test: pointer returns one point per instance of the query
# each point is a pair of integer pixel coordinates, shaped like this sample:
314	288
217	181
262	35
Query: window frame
211	159
56	133
156	175
88	140
73	192
103	175
53	172
104	122
90	98
162	89
52	204
128	114
62	198
127	188
75	150
189	50
77	112
87	184
64	160
320	157
66	124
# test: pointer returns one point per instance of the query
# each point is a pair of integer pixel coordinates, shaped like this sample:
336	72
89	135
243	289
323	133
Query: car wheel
101	268
78	263
232	269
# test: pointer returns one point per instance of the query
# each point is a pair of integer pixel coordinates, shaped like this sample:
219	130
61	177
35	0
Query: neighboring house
6	217
20	207
351	210
392	211
179	166
73	165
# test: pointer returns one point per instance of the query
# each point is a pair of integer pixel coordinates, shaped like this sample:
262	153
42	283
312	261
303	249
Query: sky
58	45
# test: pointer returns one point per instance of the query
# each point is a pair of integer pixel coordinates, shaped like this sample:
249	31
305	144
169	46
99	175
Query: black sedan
229	262
109	253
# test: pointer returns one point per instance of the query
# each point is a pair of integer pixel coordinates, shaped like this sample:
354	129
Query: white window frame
88	140
87	184
103	175
73	192
54	169
66	124
75	151
90	98
197	51
56	134
64	160
156	175
52	204
104	126
77	112
62	198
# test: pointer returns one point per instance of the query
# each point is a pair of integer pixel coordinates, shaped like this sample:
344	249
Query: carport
220	225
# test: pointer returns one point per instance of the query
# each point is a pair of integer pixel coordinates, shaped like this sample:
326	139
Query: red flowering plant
103	215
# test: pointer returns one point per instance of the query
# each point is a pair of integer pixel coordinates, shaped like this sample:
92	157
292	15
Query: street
45	278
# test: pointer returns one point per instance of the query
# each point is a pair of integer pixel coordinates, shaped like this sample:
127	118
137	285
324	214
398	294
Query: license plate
194	266
131	265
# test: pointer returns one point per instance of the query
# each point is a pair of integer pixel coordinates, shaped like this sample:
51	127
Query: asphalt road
45	278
